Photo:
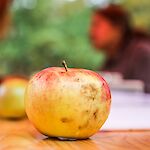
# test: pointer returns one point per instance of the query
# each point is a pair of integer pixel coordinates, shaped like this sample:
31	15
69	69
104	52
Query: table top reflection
21	135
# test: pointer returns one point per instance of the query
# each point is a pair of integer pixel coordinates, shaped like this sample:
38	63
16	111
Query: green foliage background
46	34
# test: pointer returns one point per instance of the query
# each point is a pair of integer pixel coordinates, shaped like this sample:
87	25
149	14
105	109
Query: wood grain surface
21	135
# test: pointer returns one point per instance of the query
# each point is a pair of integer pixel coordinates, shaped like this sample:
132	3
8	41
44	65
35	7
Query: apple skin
73	104
12	90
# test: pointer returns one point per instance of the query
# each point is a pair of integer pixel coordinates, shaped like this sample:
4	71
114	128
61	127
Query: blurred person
127	49
4	17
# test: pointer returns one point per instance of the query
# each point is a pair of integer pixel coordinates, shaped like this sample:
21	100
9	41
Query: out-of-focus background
36	34
44	32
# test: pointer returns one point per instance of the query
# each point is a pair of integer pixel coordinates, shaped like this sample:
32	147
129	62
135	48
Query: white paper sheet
129	111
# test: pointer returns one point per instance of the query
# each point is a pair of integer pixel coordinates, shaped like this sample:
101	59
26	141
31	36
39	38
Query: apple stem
65	65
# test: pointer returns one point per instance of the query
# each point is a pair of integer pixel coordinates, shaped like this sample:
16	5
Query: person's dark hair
119	16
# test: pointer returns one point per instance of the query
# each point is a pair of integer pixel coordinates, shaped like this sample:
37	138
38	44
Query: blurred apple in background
12	89
67	102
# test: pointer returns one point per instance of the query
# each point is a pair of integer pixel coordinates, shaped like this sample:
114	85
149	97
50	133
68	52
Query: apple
67	102
12	89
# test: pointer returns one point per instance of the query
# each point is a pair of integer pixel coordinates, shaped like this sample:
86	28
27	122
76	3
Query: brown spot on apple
106	91
62	72
105	94
89	91
65	120
87	111
84	125
76	79
95	114
40	74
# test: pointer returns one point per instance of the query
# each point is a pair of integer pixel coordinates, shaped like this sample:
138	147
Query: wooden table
21	135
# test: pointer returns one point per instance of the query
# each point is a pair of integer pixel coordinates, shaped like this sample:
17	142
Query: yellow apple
68	103
12	91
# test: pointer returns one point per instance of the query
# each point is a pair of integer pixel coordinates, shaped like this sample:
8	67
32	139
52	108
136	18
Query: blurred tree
42	37
44	33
